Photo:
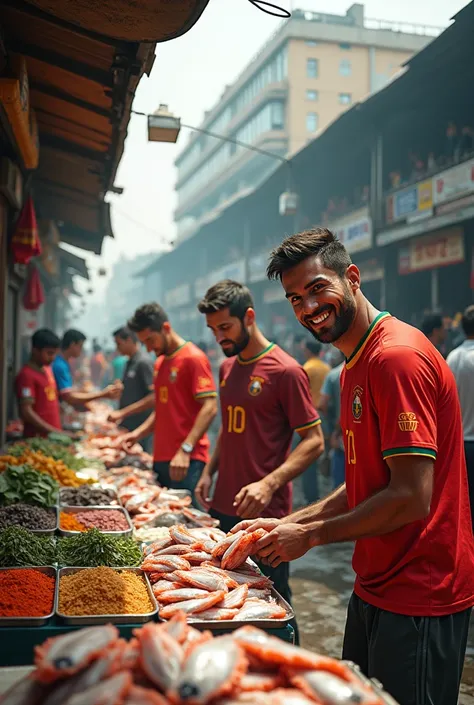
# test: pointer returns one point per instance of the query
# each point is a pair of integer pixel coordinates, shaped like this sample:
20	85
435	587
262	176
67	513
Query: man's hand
128	440
113	391
179	466
116	417
202	490
253	524
285	543
252	499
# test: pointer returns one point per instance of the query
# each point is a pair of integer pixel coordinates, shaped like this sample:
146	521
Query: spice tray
34	621
88	620
76	510
231	624
48	532
115	499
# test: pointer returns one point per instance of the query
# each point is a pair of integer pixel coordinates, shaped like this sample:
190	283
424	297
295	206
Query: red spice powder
25	592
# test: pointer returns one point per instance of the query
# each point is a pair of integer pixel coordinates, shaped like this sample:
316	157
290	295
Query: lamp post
163	126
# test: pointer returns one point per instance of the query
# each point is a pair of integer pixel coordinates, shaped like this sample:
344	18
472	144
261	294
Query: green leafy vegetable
55	450
19	547
91	549
22	483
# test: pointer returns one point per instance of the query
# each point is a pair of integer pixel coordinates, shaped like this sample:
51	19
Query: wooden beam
62	145
54	92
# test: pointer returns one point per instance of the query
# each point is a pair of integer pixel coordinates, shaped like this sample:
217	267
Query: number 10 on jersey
235	419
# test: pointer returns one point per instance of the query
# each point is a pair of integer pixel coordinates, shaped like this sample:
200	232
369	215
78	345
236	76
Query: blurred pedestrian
433	327
98	366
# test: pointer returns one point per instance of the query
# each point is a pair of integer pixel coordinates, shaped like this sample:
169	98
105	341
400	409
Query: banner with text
432	251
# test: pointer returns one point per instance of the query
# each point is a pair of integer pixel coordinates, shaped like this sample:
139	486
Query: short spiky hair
227	294
71	337
319	242
148	316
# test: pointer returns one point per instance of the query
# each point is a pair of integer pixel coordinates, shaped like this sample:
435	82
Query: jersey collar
173	354
253	359
351	361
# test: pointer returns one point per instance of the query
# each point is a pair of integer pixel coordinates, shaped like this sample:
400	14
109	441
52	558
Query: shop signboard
411	203
354	230
432	251
454	183
179	296
371	270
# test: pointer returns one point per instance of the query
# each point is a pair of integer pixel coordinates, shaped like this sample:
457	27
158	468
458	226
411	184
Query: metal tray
76	510
88	620
115	499
376	686
48	532
222	624
33	621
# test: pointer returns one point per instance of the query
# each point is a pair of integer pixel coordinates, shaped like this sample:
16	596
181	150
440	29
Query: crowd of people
387	416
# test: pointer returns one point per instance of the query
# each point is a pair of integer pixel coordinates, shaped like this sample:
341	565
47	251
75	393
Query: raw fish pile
208	575
173	663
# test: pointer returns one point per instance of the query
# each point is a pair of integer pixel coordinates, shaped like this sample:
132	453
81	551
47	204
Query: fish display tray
101	508
115	499
34	621
93	619
48	532
232	624
372	683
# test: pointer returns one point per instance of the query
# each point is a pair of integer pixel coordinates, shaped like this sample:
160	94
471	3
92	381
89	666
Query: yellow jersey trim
351	361
256	357
311	424
202	395
410	450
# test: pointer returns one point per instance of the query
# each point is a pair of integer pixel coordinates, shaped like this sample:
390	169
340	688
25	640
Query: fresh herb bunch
91	549
22	483
60	439
46	447
19	547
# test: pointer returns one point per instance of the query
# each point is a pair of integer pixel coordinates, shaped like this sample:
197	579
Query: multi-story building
314	67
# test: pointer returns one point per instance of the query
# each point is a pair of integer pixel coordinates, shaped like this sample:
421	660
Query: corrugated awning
74	263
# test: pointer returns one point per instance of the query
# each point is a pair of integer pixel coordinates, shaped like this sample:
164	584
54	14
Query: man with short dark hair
405	500
137	385
265	397
71	348
36	389
461	362
185	401
433	327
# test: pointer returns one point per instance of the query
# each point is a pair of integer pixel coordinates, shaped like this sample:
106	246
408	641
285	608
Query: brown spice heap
102	590
68	522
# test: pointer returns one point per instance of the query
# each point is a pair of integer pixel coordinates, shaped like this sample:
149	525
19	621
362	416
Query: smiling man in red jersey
185	401
405	501
265	397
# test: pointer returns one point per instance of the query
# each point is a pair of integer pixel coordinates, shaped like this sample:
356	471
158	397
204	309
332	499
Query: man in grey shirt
136	401
461	362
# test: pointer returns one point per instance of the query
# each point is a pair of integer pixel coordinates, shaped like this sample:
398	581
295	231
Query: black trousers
280	575
469	451
418	660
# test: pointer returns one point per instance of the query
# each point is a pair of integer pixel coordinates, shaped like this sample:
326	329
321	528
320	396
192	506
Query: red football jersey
399	398
181	379
263	400
39	387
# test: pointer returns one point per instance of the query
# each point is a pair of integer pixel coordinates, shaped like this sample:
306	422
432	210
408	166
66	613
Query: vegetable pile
28	516
19	547
93	549
87	496
26	593
56	468
56	450
94	591
22	483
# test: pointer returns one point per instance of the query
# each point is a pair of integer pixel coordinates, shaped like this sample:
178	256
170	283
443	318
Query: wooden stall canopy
84	62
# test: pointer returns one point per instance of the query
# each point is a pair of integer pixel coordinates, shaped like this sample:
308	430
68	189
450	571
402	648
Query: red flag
26	242
33	297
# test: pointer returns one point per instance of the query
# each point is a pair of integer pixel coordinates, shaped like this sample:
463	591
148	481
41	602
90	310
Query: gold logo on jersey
357	402
407	421
204	383
174	374
222	384
255	386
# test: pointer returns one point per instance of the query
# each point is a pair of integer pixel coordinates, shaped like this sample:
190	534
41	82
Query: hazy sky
189	75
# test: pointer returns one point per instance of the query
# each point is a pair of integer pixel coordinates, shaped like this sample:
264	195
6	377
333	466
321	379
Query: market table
17	643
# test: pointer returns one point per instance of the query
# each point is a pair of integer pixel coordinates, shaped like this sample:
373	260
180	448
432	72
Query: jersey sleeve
25	387
202	382
295	399
63	376
404	389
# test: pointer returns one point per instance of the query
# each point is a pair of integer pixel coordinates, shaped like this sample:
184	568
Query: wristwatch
187	447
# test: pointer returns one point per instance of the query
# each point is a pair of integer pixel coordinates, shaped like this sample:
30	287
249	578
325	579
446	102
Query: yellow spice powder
103	591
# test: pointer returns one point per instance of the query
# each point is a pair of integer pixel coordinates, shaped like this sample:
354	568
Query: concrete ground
322	584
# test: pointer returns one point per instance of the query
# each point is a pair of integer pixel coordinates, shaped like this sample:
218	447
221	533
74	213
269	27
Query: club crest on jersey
255	386
357	403
407	421
174	374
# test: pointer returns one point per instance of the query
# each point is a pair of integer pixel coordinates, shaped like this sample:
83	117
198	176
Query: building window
345	98
312	68
345	67
312	122
311	43
345	45
277	116
312	95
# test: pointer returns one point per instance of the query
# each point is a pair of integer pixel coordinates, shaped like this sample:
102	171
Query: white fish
332	690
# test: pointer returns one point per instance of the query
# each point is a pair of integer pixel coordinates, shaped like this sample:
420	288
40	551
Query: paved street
322	583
